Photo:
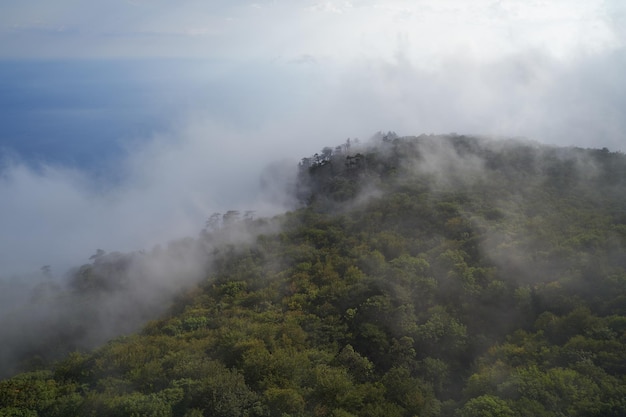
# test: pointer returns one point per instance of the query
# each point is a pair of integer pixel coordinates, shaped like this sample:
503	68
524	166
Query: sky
129	122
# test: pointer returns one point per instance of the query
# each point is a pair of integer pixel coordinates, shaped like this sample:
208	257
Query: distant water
81	113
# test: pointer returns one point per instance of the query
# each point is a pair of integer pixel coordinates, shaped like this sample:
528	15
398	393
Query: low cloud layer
168	183
248	84
58	216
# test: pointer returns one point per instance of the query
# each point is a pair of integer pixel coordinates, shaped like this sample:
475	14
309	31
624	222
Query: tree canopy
430	276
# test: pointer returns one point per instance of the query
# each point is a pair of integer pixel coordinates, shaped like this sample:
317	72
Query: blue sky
119	116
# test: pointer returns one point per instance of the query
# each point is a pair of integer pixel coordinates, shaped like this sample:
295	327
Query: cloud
170	182
499	68
342	29
529	93
229	96
169	185
304	59
330	6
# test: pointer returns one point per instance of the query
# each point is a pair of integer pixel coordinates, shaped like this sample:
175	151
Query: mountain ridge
432	275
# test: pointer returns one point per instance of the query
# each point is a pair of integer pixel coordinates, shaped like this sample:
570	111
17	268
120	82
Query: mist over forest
167	116
197	218
432	275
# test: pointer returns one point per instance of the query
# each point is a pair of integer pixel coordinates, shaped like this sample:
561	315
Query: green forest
438	275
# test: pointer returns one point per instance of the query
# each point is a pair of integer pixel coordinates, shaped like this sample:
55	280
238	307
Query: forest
437	275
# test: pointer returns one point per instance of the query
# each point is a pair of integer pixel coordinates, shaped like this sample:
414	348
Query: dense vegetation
428	276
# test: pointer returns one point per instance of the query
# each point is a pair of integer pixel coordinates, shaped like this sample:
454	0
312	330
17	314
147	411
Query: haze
128	123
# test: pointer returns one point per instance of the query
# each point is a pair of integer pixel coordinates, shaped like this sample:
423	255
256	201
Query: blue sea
76	113
84	113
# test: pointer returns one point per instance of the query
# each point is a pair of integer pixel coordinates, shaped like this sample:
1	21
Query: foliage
431	276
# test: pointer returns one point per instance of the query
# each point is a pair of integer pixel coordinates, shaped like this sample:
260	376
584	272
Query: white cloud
351	29
170	185
330	6
551	71
243	84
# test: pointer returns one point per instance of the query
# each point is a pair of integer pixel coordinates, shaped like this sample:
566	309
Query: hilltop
431	276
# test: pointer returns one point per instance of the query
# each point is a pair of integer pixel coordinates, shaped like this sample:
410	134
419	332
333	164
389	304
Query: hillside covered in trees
421	276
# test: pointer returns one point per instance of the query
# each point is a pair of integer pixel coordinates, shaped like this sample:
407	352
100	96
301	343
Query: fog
165	184
235	87
232	94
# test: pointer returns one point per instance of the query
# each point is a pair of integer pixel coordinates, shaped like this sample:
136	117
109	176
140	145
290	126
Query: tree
486	406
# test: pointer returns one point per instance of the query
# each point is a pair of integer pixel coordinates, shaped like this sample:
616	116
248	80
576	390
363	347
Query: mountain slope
437	275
